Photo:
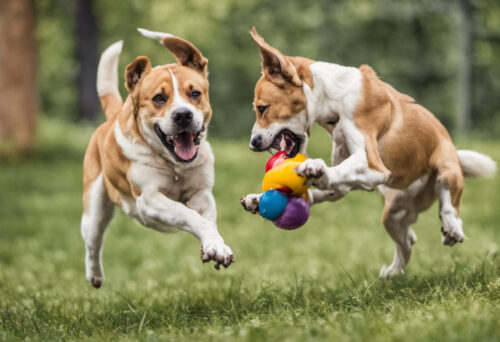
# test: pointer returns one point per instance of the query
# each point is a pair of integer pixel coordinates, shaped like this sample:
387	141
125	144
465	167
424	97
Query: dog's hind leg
98	211
399	213
449	187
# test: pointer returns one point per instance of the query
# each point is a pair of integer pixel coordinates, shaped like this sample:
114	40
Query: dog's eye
160	98
195	94
262	109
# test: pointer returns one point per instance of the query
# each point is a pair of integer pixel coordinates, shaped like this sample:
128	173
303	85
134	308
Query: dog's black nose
256	142
182	116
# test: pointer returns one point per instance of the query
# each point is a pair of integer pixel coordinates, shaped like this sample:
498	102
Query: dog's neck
335	94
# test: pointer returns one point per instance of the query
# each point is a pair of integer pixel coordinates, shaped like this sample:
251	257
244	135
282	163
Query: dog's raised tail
475	164
107	80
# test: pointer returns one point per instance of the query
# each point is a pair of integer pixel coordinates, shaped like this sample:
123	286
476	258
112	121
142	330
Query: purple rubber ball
295	215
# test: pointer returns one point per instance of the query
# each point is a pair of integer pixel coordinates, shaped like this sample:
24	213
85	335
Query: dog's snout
256	142
182	117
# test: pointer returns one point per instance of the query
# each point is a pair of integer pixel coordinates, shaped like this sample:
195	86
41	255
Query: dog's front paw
216	250
315	170
250	203
312	168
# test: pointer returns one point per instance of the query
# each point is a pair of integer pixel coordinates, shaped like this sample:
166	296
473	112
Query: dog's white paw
250	203
312	168
391	271
315	170
451	229
216	250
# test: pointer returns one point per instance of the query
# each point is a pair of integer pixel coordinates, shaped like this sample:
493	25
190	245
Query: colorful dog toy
284	197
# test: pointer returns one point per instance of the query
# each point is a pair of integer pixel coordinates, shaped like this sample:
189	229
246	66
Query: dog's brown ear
135	71
276	66
186	53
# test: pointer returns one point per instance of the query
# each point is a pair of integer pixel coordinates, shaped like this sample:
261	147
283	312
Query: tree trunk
465	73
18	87
86	52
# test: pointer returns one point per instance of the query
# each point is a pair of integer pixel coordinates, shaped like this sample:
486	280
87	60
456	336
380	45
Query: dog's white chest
167	180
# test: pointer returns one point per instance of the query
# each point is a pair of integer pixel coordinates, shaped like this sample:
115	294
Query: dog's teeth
283	143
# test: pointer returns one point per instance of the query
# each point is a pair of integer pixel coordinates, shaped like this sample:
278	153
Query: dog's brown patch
283	101
401	136
281	85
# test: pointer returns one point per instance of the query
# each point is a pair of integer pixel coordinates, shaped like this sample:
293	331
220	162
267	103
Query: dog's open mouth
287	141
183	146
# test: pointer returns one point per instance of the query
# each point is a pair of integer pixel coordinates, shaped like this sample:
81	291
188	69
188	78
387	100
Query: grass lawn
316	283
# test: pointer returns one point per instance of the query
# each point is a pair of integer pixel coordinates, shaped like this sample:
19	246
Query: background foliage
414	45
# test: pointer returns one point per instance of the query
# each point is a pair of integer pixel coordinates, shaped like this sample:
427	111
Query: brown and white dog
151	157
381	139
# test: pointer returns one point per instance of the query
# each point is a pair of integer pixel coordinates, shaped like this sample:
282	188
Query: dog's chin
286	141
183	145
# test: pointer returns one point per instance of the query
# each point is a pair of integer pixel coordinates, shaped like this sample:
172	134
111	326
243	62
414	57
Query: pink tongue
184	145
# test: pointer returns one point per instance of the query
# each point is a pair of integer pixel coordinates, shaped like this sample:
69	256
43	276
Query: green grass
316	283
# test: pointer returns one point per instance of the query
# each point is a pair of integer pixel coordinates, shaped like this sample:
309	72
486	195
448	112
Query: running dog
381	139
151	157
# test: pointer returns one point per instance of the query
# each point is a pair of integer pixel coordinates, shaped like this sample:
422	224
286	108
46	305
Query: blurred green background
417	46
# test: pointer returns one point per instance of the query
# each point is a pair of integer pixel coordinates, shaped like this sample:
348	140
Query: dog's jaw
290	136
183	146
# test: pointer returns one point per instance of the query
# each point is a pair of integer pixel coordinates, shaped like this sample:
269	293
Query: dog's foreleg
250	202
352	173
362	169
159	212
204	203
315	196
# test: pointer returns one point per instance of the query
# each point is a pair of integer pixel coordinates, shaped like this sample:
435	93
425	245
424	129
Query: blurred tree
18	87
415	45
465	69
86	52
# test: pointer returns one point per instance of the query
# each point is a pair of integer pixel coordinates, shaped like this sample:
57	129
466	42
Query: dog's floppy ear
276	66
135	71
186	53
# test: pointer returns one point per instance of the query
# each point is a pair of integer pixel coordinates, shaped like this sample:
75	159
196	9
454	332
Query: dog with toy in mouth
151	156
381	139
